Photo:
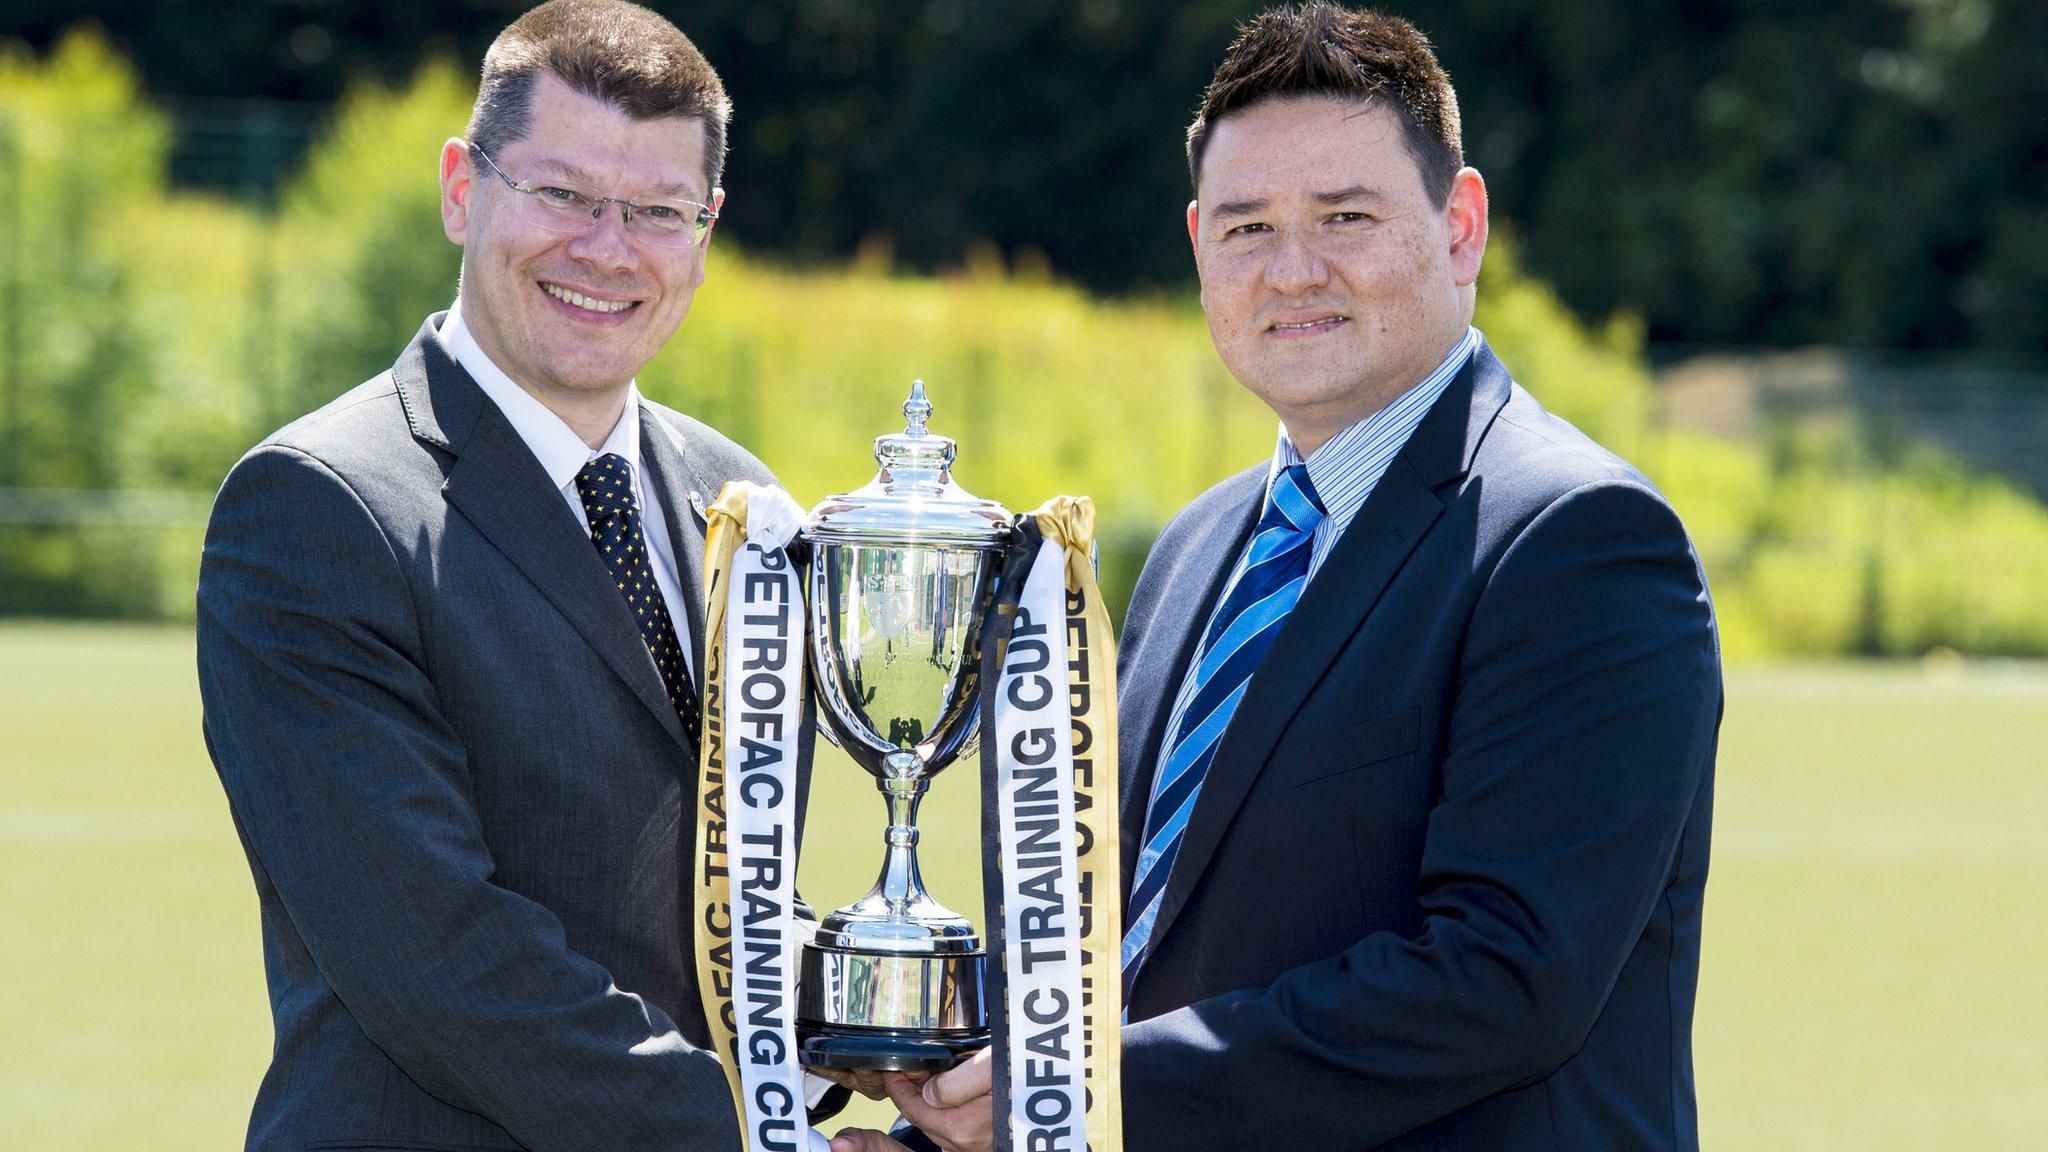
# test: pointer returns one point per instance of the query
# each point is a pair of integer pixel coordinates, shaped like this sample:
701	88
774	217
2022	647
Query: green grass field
1875	937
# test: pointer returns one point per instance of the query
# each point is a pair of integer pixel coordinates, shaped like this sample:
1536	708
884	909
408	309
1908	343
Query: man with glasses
450	645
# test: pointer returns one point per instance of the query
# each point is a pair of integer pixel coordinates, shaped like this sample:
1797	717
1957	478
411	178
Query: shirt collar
561	452
1345	469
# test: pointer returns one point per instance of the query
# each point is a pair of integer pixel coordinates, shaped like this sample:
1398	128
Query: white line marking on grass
108	826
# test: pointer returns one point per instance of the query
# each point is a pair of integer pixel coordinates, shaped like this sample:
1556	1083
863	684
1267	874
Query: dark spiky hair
1322	49
620	53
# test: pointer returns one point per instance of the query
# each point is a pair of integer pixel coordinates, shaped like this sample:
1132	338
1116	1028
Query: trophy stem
903	787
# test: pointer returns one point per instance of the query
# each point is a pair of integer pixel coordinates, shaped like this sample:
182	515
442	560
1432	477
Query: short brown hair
1321	49
619	53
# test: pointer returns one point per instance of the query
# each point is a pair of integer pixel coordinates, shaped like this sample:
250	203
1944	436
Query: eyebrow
1238	208
1336	196
565	169
670	191
1354	192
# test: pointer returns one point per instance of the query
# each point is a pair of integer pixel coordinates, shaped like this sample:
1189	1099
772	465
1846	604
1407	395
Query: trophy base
883	1050
899	1012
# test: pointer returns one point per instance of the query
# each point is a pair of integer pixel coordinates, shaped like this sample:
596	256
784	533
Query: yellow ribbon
726	523
1069	521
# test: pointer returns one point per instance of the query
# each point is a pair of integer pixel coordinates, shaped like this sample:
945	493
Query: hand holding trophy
937	622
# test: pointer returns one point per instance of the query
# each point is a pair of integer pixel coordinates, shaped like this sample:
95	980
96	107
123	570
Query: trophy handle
1019	552
799	552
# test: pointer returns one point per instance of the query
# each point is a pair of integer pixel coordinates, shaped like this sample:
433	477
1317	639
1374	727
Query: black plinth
884	1049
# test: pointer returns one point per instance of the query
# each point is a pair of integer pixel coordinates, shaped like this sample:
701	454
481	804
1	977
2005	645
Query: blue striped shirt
1345	469
1343	472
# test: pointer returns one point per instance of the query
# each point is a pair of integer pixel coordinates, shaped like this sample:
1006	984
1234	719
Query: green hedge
163	333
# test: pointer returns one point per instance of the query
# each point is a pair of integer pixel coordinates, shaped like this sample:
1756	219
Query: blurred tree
360	235
1869	172
83	159
155	333
86	158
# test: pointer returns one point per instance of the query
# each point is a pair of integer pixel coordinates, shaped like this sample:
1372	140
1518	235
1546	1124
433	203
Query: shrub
166	332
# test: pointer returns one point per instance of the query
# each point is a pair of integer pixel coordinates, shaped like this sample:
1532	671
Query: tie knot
1293	501
606	485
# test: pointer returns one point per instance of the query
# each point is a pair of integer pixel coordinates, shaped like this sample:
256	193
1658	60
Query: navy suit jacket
1442	886
467	802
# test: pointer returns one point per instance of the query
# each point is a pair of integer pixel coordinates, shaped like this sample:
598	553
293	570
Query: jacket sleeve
353	794
1582	726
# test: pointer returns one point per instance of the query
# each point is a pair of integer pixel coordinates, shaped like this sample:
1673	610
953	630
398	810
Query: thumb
961	1083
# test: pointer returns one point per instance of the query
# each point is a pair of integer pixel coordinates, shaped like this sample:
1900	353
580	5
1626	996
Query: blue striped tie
1254	608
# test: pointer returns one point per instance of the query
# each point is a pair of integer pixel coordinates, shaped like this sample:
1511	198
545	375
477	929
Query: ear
717	205
1465	213
1193	218
455	189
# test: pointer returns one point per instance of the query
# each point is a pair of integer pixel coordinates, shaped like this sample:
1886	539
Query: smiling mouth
1311	325
577	299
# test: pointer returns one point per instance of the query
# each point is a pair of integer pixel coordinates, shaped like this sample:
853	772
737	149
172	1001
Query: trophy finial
916	410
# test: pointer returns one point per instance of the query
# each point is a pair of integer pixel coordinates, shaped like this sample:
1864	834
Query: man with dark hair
1419	715
620	53
450	636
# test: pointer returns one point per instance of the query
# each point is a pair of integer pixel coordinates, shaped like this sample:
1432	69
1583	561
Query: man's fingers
962	1082
911	1102
965	1129
864	1140
933	1122
865	1081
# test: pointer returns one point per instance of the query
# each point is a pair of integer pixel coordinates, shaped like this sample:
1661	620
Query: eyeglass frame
706	214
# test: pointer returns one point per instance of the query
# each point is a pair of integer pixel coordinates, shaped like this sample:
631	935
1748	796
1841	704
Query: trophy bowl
900	577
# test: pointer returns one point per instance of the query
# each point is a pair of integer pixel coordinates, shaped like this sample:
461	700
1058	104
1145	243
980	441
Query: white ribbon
764	686
1041	896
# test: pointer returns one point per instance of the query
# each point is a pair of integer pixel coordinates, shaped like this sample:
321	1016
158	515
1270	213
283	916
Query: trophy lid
912	499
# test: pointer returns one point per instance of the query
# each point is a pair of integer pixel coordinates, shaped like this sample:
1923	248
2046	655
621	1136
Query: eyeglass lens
563	209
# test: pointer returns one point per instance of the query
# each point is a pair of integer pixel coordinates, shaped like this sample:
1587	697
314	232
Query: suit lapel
682	494
498	486
1402	508
1152	684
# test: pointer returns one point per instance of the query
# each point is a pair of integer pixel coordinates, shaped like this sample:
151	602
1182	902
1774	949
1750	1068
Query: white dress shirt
562	454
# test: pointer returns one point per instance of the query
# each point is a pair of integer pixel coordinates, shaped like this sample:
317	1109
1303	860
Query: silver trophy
901	575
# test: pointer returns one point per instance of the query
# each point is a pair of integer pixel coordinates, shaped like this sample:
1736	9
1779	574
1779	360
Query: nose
606	245
1296	266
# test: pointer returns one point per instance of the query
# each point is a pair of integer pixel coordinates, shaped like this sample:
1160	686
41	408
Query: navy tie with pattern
1249	618
606	485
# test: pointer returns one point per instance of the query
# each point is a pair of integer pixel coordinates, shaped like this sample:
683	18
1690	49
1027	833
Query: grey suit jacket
466	800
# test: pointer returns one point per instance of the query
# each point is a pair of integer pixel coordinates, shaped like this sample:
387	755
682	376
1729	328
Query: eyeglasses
561	207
